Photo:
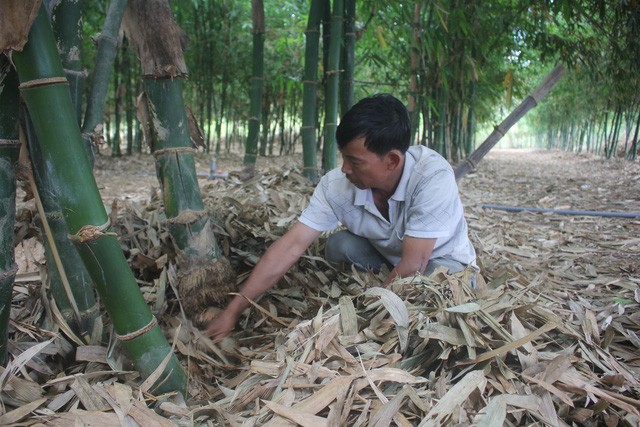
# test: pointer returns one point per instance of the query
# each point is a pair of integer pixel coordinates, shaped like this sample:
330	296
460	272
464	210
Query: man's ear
394	159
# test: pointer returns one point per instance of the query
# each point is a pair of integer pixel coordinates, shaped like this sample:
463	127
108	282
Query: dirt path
589	246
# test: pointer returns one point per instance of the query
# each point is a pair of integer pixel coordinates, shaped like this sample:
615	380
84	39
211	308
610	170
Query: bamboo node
90	233
10	143
54	216
172	150
76	73
43	82
135	334
11	272
187	217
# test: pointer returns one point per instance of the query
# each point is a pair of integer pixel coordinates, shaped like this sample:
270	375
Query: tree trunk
46	95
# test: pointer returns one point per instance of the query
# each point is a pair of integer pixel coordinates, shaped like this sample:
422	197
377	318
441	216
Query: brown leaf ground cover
549	336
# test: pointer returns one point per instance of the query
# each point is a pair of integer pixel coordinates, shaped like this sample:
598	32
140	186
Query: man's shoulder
334	181
427	161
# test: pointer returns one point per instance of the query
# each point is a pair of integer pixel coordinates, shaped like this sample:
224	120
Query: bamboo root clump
207	284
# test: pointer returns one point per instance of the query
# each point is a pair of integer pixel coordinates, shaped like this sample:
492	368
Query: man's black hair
381	119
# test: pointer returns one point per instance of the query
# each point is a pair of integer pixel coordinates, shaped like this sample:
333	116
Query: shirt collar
401	190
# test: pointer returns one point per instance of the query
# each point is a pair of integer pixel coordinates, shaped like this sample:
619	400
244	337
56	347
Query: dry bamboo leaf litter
554	332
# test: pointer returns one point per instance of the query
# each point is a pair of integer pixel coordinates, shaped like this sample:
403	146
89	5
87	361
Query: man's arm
415	256
275	262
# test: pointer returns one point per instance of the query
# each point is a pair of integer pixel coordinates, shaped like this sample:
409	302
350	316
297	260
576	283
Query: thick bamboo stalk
310	91
9	149
66	20
329	152
69	280
205	275
46	95
530	102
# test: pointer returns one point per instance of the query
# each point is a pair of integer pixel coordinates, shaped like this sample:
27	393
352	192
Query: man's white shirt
425	204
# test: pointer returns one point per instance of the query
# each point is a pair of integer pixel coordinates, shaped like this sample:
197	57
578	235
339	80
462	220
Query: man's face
363	168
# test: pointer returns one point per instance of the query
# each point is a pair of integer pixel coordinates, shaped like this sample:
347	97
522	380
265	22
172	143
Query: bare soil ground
551	339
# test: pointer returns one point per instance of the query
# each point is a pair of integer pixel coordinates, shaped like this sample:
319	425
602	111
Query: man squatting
398	205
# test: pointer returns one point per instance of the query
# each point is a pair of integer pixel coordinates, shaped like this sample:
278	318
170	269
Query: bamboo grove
261	79
459	65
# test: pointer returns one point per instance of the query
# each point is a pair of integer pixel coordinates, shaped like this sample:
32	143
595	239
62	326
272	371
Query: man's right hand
275	262
221	326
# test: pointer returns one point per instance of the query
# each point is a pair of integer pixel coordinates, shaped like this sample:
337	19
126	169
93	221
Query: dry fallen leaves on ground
549	337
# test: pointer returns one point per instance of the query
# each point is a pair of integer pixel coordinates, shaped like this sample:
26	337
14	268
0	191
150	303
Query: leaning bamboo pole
46	94
499	131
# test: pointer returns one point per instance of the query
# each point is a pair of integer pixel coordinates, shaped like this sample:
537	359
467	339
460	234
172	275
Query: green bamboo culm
257	88
105	56
47	97
71	286
310	91
66	21
9	152
175	166
329	152
348	56
205	276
